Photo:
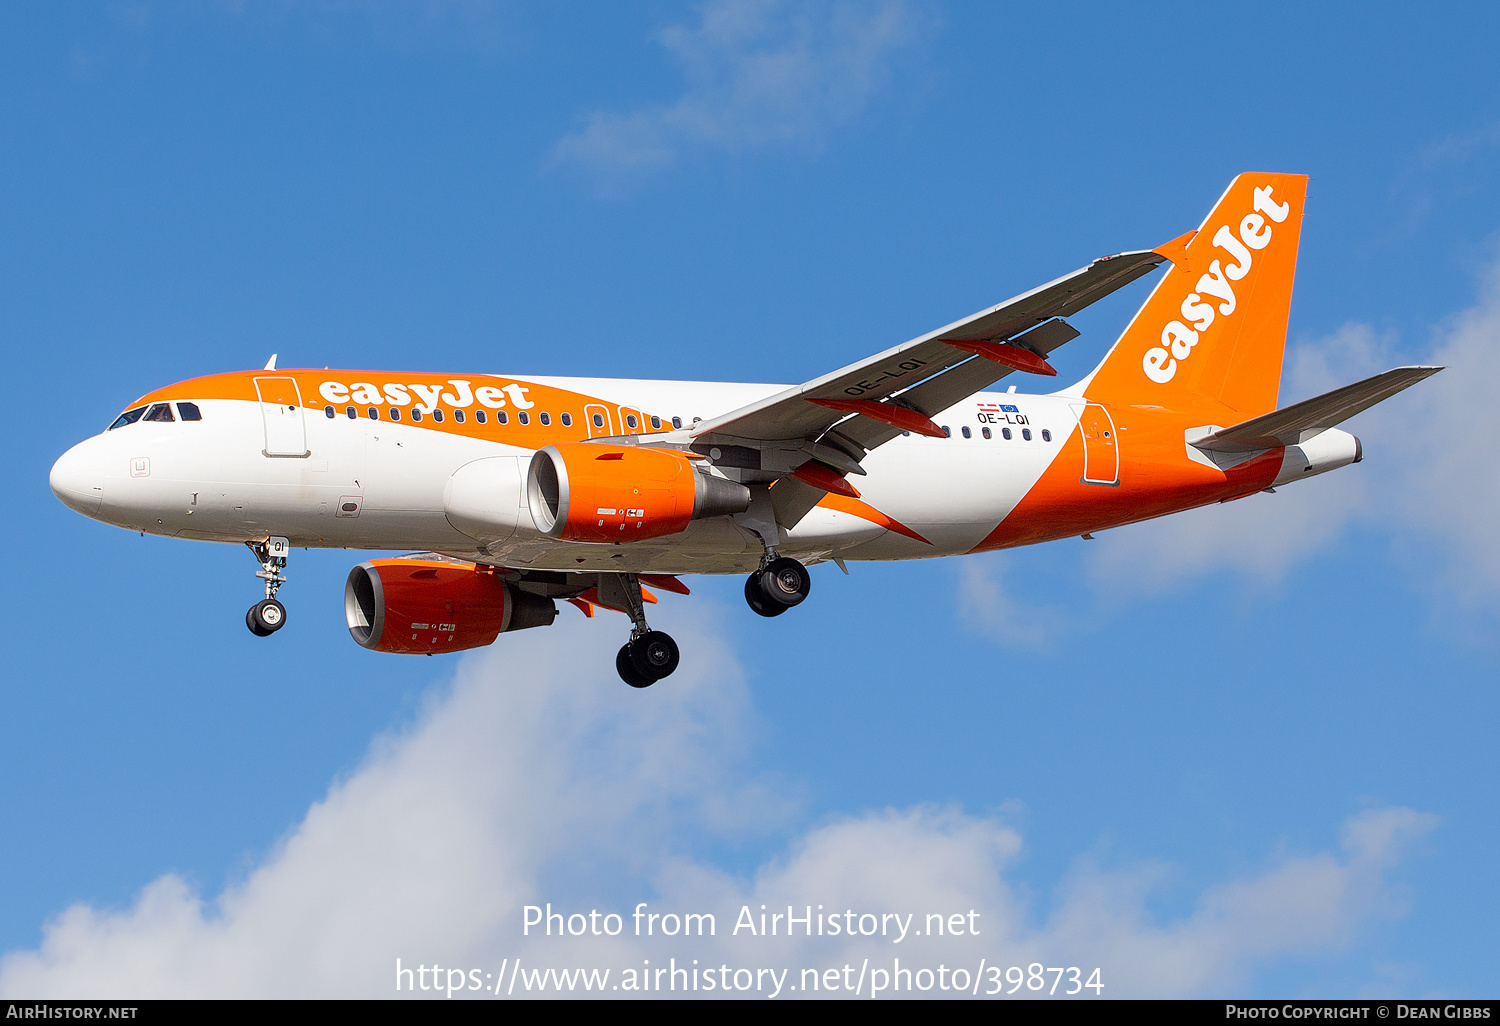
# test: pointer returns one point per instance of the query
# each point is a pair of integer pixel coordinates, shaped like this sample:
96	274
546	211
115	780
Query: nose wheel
268	616
265	617
649	655
778	586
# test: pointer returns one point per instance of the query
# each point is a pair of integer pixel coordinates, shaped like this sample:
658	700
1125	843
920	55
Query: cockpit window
160	413
189	411
128	417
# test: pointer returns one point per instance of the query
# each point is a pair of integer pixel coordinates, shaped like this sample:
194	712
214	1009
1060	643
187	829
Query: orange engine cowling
419	607
591	492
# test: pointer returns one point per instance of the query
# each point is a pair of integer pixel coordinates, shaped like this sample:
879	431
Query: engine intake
583	491
420	607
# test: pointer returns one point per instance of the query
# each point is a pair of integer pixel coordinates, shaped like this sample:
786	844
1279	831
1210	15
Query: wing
837	418
1301	421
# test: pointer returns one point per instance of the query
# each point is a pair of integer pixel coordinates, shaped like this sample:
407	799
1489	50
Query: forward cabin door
281	410
1101	450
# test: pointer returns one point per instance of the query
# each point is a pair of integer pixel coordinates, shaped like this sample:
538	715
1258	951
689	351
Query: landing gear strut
777	586
781	582
649	655
268	616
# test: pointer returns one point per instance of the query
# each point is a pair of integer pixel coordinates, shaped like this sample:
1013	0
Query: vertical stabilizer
1214	330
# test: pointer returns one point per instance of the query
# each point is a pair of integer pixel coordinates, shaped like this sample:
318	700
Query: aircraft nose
77	478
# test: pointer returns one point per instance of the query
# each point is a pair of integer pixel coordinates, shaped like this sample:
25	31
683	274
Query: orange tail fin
1214	330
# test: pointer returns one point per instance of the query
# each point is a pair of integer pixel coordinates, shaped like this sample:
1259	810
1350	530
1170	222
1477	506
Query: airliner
513	494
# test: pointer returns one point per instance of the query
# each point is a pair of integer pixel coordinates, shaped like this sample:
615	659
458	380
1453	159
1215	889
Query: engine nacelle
590	492
419	607
1325	451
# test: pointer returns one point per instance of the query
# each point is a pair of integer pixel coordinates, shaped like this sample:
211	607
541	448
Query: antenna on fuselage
271	363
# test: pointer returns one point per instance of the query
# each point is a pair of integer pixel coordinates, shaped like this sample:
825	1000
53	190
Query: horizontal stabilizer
1301	421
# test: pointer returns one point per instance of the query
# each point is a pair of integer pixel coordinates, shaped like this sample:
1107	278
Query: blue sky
1263	731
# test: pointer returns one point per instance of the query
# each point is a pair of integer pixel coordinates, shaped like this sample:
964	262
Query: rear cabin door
281	410
1101	450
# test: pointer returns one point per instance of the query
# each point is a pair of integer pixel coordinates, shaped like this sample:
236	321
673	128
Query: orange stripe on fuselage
863	510
1156	478
448	397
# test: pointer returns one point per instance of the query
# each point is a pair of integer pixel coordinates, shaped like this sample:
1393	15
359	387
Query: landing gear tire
265	617
756	598
777	587
654	654
255	628
625	667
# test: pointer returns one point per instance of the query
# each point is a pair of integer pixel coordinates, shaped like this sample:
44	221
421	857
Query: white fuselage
367	484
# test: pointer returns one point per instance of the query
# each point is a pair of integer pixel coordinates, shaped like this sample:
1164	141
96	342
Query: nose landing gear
268	616
649	655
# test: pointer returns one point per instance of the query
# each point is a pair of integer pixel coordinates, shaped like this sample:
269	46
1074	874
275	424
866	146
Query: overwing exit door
598	420
281	410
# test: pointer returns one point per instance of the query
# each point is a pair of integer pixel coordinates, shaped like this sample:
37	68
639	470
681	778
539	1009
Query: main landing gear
268	616
649	655
777	586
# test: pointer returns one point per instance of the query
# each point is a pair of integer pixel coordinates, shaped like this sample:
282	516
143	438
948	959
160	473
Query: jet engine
419	607
588	492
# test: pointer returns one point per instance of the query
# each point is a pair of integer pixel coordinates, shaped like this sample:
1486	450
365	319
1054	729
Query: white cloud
537	777
1439	486
758	72
989	608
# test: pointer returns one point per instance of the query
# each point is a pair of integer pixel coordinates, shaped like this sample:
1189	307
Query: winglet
1175	249
271	363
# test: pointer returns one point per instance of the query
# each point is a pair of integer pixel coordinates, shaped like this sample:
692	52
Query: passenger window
677	422
328	412
128	417
416	415
967	432
351	413
1046	435
458	416
598	419
395	413
986	432
907	433
1005	433
1026	434
479	416
546	420
567	419
374	413
161	413
655	423
946	432
189	411
524	418
502	417
437	416
630	421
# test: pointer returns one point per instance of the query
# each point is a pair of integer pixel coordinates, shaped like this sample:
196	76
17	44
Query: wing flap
955	384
